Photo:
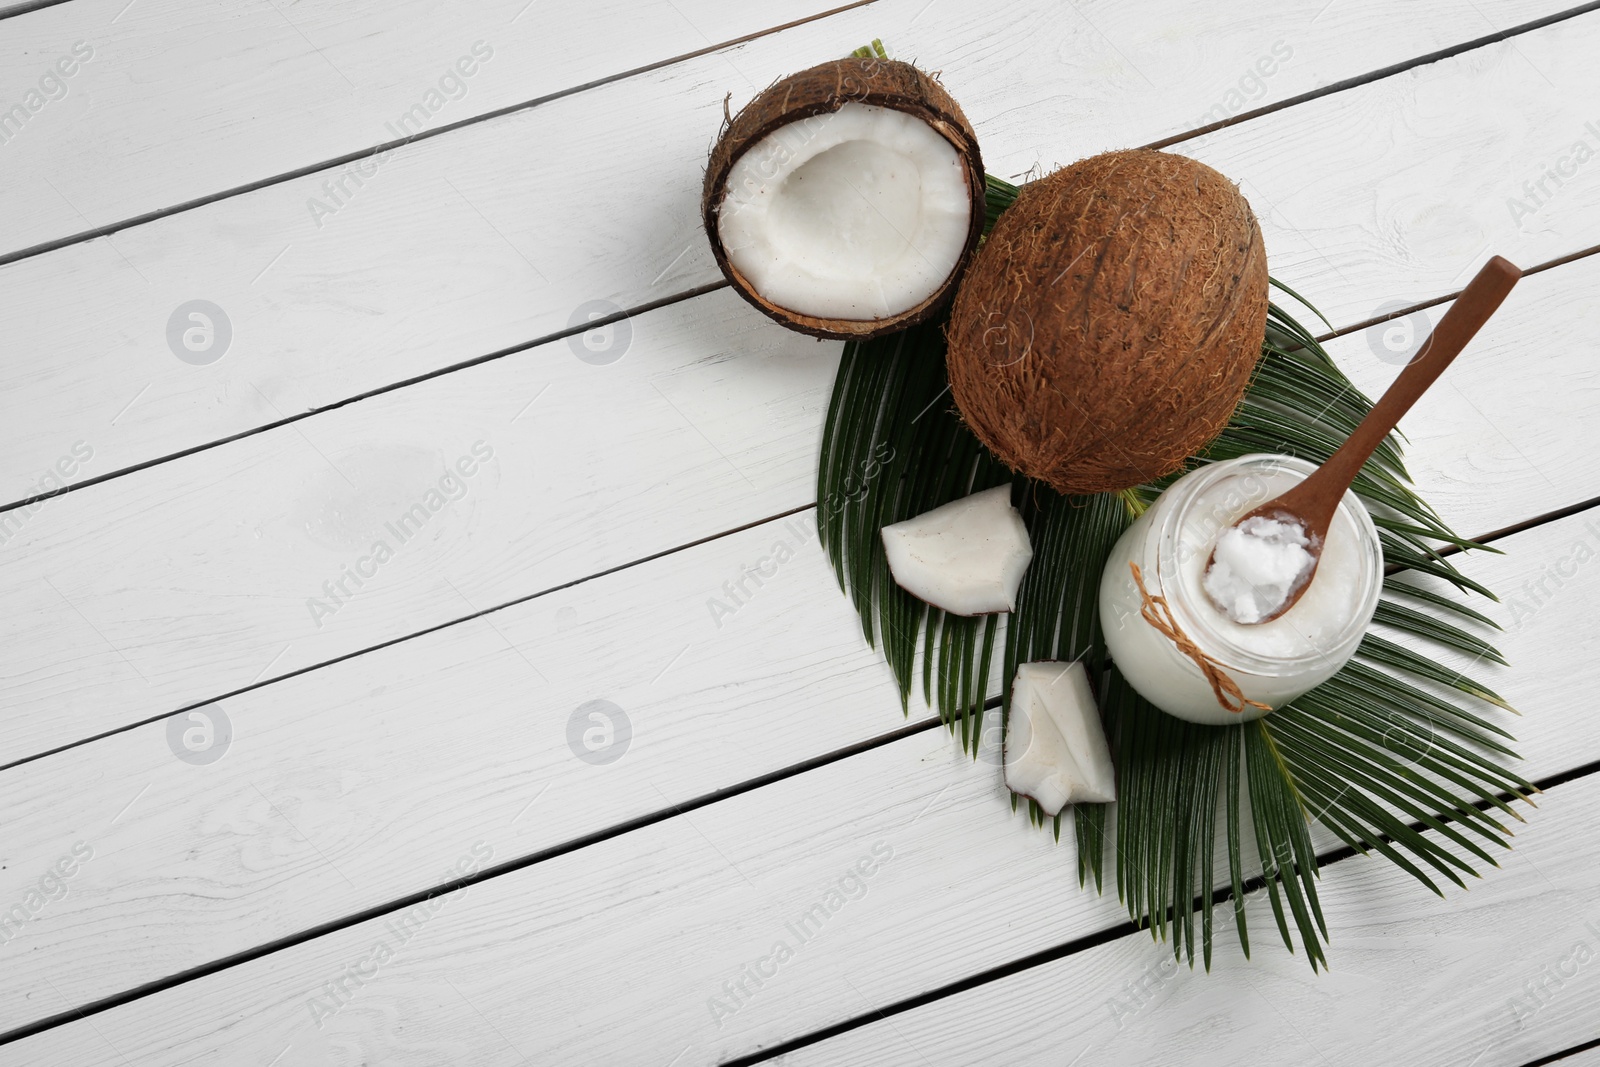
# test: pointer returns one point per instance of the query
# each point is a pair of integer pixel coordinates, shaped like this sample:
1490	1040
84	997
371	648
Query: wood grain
464	245
351	786
1510	420
1414	980
605	966
186	101
182	101
233	566
1402	238
223	550
356	783
165	640
347	788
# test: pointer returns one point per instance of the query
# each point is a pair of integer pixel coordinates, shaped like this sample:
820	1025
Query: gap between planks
1351	329
422	135
1484	537
641	309
139	464
411	899
1103	937
25	6
350	157
1038	958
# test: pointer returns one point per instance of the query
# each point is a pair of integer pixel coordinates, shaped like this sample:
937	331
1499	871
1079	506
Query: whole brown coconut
1108	327
820	91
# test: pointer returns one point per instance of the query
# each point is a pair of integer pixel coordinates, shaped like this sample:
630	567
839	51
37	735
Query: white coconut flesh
967	557
1055	749
858	214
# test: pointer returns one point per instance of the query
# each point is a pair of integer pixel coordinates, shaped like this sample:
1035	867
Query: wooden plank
1505	432
1443	200
273	91
1446	437
678	910
457	550
352	785
102	650
261	91
96	673
453	249
1505	974
234	565
556	934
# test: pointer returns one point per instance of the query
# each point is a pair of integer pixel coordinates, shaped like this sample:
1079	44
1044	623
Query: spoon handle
1466	316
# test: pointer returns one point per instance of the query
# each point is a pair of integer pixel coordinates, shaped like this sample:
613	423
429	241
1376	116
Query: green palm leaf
1375	755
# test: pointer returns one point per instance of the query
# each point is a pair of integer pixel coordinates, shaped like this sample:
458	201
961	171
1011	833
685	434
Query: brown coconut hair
823	89
1108	327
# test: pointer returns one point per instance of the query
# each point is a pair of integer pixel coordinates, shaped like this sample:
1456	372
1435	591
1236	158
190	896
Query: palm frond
1395	744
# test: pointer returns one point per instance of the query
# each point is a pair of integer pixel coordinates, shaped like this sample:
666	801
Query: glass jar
1271	662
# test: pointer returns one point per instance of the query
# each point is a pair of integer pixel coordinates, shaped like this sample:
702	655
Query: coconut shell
1109	325
823	89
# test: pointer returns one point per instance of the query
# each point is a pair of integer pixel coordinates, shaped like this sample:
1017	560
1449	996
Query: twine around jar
1155	611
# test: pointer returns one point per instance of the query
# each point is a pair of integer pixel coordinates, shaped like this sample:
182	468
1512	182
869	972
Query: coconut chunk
967	557
1055	748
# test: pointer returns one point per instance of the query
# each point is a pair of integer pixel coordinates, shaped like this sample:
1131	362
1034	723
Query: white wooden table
506	790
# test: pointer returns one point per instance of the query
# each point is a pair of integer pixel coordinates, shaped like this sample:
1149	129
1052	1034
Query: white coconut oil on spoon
1255	565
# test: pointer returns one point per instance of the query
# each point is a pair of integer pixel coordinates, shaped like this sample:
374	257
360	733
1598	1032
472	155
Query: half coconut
845	200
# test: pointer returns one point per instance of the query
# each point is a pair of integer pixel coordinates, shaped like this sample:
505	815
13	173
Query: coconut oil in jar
1271	662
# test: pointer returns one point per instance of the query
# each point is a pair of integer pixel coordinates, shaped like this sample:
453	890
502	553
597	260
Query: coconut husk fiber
823	89
1108	327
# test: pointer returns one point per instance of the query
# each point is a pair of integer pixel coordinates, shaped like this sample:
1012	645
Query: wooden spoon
1313	502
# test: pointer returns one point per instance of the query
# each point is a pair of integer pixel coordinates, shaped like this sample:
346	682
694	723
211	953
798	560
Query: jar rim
1201	626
